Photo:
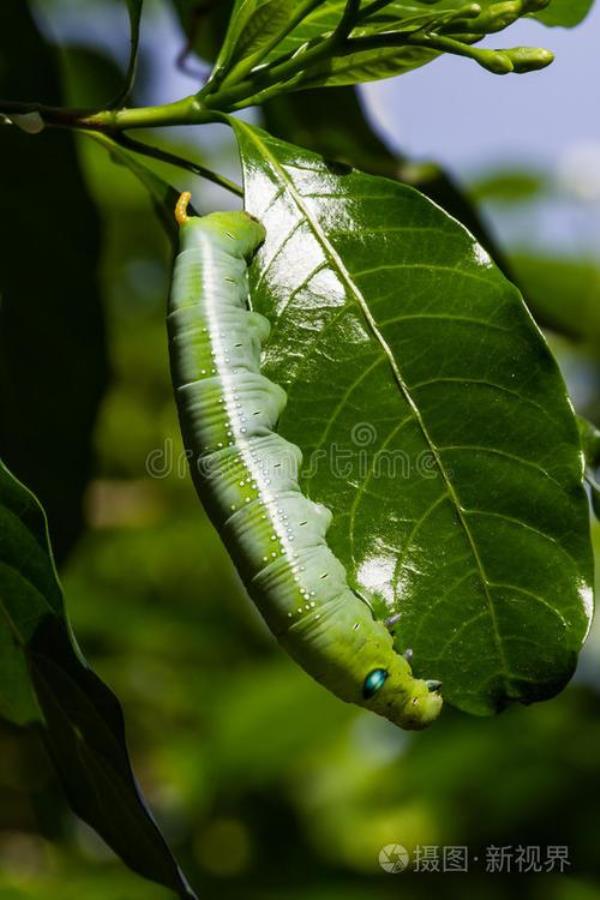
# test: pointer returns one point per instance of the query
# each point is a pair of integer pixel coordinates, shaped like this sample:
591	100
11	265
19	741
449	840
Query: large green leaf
433	421
46	681
53	368
565	12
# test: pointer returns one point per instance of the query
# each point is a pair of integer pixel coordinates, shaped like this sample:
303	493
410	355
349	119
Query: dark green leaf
565	12
433	421
46	680
53	368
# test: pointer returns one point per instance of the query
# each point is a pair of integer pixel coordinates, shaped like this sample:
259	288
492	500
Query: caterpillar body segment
247	478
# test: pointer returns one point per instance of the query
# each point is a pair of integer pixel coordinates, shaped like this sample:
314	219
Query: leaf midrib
345	277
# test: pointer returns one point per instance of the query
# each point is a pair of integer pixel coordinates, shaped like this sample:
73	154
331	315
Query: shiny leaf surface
305	118
433	422
46	681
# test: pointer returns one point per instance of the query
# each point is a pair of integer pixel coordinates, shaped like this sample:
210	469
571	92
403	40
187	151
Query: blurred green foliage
266	786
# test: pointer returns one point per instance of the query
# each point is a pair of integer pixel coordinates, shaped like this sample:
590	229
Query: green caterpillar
247	478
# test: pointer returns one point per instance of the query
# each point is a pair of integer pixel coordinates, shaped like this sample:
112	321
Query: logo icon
393	858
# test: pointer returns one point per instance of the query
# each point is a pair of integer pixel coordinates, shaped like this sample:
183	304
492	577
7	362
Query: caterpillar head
392	692
239	233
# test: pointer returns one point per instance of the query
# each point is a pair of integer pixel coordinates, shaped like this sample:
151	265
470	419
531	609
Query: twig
174	160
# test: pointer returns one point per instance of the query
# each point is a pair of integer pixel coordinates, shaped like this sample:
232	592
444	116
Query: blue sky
462	115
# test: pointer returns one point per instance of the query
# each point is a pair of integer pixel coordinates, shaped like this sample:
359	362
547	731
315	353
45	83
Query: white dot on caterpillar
313	604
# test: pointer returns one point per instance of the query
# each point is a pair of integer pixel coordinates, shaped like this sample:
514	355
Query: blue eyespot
373	682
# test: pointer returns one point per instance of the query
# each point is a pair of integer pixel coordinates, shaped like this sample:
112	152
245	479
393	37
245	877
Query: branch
188	111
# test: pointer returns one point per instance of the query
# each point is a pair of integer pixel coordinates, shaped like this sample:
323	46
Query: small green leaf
567	13
268	20
433	421
45	680
246	23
